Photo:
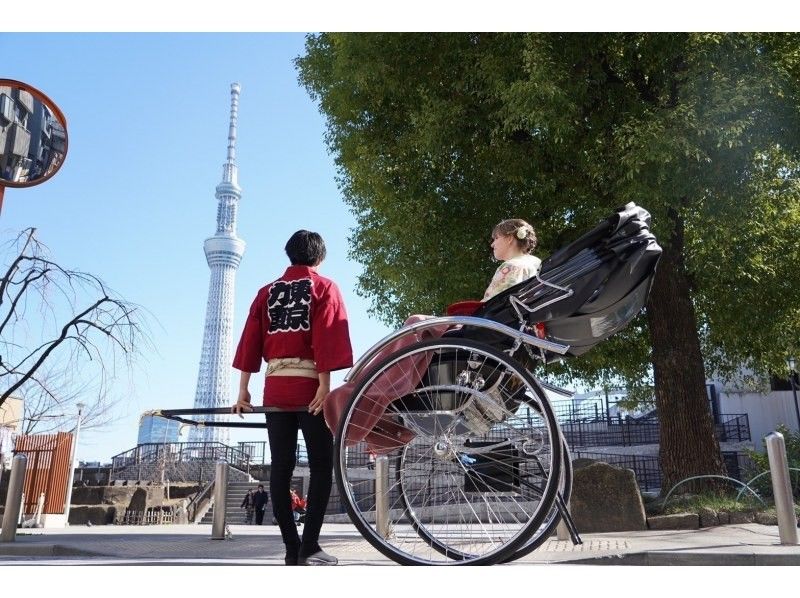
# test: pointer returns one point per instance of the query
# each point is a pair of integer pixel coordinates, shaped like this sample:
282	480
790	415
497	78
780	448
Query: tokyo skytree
224	252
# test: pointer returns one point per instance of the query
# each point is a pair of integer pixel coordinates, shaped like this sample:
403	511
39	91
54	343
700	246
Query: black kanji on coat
289	305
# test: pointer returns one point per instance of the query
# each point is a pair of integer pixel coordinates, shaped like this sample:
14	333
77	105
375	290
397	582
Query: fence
258	452
648	472
189	461
645	430
151	516
733	428
645	467
48	469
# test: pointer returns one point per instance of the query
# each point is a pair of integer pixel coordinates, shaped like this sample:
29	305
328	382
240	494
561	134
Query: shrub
760	464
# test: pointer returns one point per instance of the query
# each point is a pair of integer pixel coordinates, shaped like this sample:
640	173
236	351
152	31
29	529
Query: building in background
224	252
157	429
11	412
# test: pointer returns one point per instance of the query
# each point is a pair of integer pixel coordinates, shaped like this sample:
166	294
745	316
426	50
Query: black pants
259	516
282	428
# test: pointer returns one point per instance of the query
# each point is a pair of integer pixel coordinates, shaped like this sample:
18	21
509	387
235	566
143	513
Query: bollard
382	495
39	510
781	488
562	531
14	499
220	491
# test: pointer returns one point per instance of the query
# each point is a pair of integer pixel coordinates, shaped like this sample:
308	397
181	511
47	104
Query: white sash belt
292	366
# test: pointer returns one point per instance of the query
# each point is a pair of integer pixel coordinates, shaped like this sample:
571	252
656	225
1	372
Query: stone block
78	515
88	495
102	515
96	515
742	517
767	518
183	491
675	521
708	517
724	518
138	501
606	499
118	494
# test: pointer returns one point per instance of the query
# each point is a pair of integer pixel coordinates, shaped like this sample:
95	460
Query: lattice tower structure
224	253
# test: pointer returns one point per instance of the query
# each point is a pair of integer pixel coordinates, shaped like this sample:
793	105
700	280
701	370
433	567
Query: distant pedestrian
247	505
260	500
298	507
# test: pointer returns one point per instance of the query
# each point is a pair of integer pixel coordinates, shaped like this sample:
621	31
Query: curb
692	559
14	549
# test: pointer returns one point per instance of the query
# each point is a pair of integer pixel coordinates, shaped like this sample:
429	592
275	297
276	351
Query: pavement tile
744	544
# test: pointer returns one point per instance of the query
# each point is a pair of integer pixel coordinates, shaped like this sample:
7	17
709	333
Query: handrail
176	453
515	334
195	503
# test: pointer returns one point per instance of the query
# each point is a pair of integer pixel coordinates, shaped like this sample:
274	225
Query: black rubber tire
538	539
510	548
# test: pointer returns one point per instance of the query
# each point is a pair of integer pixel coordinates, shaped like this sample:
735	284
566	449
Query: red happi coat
301	314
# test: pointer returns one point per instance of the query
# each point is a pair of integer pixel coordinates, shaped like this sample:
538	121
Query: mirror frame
56	112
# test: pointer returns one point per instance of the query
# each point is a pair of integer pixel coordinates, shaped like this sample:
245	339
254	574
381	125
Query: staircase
234	513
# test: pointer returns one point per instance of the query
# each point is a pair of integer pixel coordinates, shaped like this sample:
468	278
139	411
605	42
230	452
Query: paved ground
747	544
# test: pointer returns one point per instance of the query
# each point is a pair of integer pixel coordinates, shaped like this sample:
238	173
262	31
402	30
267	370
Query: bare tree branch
69	350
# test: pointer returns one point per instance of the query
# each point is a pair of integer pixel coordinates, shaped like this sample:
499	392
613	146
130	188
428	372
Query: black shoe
291	557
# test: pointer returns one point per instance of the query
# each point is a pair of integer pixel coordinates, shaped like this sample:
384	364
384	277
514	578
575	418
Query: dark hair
305	248
261	485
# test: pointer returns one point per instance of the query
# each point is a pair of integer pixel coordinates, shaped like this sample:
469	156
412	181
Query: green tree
439	136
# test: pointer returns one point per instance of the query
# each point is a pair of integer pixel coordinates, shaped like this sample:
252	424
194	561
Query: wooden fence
47	470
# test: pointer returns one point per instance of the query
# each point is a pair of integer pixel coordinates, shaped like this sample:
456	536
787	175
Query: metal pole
794	395
382	495
781	488
39	510
220	491
68	498
562	531
14	498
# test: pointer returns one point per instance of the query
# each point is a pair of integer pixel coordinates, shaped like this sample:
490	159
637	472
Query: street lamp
790	361
68	498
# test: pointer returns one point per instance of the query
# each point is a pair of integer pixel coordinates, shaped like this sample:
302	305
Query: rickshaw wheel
480	472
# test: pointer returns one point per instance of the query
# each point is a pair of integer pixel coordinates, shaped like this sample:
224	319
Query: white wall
764	411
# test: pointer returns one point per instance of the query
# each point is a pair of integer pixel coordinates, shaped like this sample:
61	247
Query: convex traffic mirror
33	136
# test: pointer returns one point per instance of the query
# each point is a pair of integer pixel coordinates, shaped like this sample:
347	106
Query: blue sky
148	121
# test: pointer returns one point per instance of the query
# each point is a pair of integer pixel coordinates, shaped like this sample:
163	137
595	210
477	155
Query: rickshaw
448	451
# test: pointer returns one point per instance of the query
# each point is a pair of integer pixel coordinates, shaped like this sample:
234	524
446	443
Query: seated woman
513	242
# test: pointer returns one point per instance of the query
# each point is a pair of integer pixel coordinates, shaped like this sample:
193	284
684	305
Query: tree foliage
439	136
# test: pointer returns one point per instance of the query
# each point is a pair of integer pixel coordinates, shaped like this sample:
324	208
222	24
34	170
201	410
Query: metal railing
645	430
259	452
198	501
734	427
645	467
648	471
171	453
